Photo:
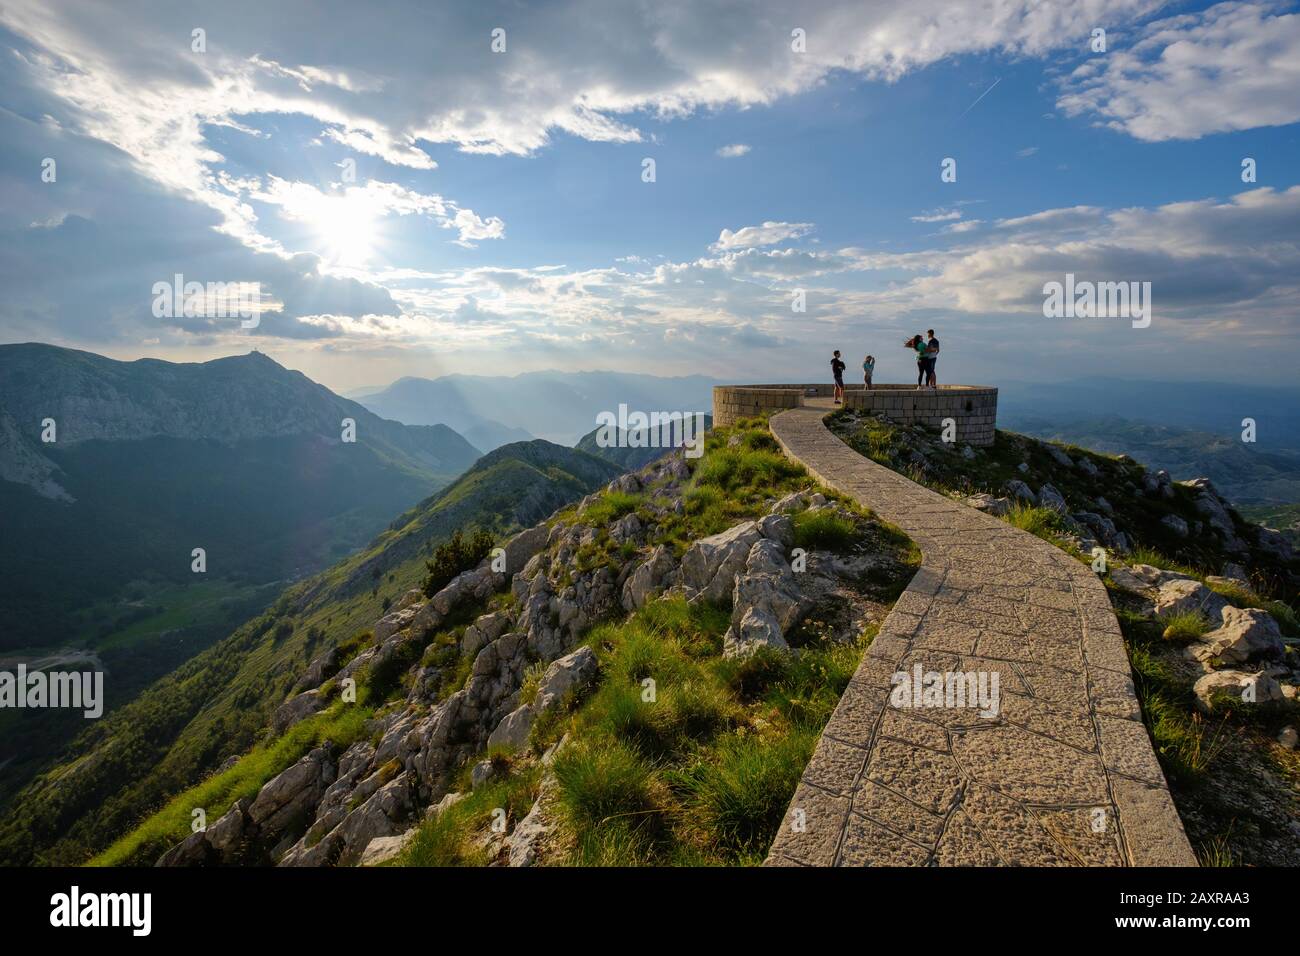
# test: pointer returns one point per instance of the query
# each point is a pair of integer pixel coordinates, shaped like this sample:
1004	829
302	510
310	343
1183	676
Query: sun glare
346	226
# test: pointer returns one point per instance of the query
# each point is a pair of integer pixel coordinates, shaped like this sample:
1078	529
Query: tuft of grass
1141	554
1185	626
611	506
602	780
1181	738
1216	851
1042	522
823	531
739	795
700	771
744	468
532	681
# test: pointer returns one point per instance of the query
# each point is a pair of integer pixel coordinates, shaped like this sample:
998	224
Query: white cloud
764	235
1026	152
1234	66
938	215
734	150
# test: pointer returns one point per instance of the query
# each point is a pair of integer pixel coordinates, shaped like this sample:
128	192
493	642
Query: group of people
927	355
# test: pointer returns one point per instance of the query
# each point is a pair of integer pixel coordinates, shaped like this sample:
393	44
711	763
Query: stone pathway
1063	774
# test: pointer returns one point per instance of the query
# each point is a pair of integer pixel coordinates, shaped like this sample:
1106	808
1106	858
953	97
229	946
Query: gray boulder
1181	594
295	709
294	793
1021	491
1049	497
649	578
1245	634
1258	689
710	565
1175	524
382	849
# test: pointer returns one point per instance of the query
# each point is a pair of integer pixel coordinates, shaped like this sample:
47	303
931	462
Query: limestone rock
711	564
514	729
648	579
521	548
571	673
1237	685
391	623
295	709
794	501
627	484
989	504
1181	594
294	792
1246	634
382	849
779	528
1058	456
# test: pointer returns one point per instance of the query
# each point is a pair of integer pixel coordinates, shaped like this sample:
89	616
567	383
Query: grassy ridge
121	771
680	756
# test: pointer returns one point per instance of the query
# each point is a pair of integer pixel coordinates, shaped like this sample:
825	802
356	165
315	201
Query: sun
346	225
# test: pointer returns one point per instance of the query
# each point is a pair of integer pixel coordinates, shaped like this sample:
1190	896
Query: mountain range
114	472
218	704
558	406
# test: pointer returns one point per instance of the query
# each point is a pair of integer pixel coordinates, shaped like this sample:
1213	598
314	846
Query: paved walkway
1064	774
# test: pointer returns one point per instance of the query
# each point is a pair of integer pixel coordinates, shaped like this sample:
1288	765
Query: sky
418	189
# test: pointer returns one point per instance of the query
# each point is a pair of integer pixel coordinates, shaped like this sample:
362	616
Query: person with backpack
837	370
868	368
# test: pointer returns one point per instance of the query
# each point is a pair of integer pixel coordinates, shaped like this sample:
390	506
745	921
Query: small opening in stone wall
969	406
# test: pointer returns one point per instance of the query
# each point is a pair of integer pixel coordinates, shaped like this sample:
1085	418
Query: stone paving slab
1060	773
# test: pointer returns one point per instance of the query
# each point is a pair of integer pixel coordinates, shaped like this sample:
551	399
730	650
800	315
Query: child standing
868	367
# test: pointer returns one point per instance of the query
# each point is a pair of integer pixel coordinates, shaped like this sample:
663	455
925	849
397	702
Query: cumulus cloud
734	150
764	235
1234	66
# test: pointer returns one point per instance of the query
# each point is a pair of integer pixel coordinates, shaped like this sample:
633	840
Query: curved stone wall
973	407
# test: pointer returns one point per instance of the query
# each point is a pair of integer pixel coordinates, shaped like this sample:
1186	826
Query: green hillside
216	705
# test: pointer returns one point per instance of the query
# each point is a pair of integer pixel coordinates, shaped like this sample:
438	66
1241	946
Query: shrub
454	556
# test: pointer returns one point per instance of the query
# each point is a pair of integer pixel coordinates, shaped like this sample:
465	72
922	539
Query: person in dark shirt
837	369
931	357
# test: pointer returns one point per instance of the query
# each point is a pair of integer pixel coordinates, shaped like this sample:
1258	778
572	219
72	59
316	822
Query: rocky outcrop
651	578
570	674
766	601
710	565
1242	655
